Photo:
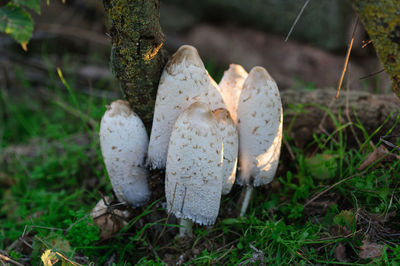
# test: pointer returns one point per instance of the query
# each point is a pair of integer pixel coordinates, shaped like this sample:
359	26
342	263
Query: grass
52	175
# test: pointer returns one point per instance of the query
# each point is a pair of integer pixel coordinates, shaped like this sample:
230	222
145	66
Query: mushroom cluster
202	133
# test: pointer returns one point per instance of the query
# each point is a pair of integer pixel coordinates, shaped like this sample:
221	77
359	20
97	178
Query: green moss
381	19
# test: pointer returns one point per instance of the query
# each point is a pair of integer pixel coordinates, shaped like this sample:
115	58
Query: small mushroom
231	86
183	82
194	168
260	131
229	134
124	142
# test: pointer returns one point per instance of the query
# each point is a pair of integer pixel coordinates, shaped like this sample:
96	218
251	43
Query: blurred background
73	36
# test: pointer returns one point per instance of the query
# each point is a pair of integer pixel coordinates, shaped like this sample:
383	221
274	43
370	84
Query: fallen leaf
370	250
109	220
49	258
380	153
340	253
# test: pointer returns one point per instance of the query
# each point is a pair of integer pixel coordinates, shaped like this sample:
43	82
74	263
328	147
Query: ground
325	205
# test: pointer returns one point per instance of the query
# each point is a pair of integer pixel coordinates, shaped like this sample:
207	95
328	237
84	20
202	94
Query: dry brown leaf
377	154
109	220
370	250
340	253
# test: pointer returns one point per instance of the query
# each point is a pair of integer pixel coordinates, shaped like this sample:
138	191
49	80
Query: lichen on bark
381	19
137	57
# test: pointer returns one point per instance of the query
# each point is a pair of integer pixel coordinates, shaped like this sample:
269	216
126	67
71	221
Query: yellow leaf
49	258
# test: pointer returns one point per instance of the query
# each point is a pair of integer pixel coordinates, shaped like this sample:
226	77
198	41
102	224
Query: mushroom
194	168
229	134
183	82
124	142
260	131
231	86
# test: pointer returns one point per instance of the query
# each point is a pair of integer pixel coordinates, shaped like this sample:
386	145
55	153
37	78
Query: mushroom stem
186	228
246	192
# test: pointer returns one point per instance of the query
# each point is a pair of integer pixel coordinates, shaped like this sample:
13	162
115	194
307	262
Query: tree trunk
137	57
309	112
381	19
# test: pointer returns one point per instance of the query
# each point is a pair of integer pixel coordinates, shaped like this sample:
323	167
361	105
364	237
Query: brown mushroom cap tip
185	53
119	107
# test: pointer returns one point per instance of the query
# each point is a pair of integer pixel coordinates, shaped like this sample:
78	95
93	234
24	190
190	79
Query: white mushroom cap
231	86
183	82
260	128
124	142
229	133
194	166
214	96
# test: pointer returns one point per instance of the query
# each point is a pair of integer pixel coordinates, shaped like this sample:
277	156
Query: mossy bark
137	56
305	112
381	19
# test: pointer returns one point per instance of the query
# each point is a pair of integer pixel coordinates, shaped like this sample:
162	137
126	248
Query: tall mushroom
231	86
124	141
194	168
183	82
229	134
260	131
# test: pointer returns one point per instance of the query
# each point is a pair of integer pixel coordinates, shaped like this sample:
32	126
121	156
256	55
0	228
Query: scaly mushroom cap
124	142
183	82
229	134
194	166
231	86
260	128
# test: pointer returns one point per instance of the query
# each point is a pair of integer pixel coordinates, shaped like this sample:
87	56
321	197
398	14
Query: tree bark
137	56
309	112
381	20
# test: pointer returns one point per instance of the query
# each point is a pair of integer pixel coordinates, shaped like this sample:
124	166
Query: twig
329	188
297	19
45	227
366	43
347	59
336	237
70	261
224	255
8	259
304	258
320	127
390	204
76	222
292	156
75	32
372	74
152	249
76	112
391	145
229	244
168	215
347	110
